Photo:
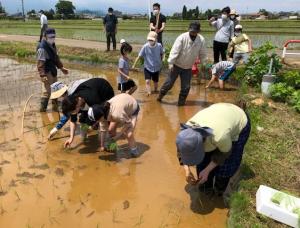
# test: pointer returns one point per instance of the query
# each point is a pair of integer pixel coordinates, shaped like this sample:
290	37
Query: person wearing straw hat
235	17
213	140
152	53
120	111
47	63
158	22
187	48
94	91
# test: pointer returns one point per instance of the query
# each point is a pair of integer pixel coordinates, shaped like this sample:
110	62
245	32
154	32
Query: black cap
110	10
226	10
194	26
50	31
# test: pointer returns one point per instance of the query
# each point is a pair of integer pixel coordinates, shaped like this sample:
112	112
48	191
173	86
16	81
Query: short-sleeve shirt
220	67
124	65
152	56
110	22
162	19
226	120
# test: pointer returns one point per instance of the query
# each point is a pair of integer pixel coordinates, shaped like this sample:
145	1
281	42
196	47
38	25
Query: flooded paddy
44	185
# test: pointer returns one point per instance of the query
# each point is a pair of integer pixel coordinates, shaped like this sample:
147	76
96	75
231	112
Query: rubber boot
160	97
134	152
181	101
44	104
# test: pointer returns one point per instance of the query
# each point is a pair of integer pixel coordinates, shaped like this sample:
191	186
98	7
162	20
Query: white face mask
232	17
151	43
110	14
224	16
155	12
51	40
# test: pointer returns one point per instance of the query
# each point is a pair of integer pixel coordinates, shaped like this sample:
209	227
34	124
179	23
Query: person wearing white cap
120	111
152	53
213	140
241	45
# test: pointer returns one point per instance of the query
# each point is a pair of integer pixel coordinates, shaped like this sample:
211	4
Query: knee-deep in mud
44	185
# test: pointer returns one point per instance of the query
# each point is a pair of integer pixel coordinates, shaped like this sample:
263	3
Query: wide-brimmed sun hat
57	90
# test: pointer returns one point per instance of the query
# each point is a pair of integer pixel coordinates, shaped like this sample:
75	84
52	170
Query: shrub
259	63
292	78
294	100
281	91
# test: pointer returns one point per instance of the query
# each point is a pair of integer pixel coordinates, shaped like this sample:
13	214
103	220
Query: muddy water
44	185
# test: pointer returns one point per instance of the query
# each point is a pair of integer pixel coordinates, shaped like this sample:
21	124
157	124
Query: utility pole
23	10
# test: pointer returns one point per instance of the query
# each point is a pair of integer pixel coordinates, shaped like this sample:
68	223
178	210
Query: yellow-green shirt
241	43
227	122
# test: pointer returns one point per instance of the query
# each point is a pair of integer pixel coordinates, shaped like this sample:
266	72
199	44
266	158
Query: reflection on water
85	188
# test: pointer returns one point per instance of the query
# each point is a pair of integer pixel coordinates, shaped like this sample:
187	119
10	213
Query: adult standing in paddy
187	48
225	32
158	22
44	24
110	22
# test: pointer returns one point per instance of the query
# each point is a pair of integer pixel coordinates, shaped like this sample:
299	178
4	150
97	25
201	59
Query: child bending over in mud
121	110
152	53
125	84
221	72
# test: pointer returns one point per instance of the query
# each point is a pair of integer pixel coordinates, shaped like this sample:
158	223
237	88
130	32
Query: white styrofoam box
265	206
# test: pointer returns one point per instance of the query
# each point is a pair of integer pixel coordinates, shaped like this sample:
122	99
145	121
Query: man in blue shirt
110	22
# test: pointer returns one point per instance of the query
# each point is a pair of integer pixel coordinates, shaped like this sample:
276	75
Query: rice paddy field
135	31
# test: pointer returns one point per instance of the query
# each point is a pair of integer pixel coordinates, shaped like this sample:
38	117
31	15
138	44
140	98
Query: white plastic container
267	81
265	206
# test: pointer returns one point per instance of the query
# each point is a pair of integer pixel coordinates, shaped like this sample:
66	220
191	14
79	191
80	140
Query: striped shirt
219	67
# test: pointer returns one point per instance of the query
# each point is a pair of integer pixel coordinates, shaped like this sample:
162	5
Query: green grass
260	31
271	158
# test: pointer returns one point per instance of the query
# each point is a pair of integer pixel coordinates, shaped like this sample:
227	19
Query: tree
65	8
2	10
216	12
208	13
184	12
50	14
263	12
197	12
31	12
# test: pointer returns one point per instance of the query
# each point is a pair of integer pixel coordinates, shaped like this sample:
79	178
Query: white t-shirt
44	20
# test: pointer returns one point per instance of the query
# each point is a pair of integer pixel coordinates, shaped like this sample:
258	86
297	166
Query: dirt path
61	41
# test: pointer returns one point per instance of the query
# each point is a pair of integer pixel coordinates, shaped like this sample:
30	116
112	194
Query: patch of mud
41	167
4	162
30	175
59	172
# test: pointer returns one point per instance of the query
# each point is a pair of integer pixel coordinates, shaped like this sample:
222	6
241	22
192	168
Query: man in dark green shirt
110	22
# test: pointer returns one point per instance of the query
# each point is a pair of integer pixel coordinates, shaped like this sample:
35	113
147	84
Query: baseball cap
57	90
194	26
152	36
238	27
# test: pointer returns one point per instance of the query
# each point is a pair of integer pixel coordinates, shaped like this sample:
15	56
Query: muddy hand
44	78
191	179
65	70
68	143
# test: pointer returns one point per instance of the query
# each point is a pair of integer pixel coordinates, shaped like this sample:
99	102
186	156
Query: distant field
135	31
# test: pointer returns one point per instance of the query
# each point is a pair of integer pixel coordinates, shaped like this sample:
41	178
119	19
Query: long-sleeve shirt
185	51
225	30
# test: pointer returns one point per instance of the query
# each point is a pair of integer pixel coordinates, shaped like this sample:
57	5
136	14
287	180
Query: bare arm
152	27
162	27
135	62
72	134
122	73
250	45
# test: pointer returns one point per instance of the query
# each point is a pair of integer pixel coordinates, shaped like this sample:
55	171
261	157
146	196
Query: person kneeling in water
121	110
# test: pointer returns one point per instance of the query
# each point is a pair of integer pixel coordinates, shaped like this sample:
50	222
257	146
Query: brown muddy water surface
44	185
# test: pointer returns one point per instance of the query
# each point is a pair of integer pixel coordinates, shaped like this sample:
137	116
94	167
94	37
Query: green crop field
135	31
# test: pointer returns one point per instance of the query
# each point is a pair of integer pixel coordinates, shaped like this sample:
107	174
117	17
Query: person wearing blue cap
213	140
47	63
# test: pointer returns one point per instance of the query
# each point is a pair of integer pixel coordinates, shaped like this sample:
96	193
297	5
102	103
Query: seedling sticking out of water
17	195
39	194
2	211
140	222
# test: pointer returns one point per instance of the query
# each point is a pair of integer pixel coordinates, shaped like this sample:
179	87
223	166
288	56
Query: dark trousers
43	29
223	173
159	38
111	36
185	79
219	49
